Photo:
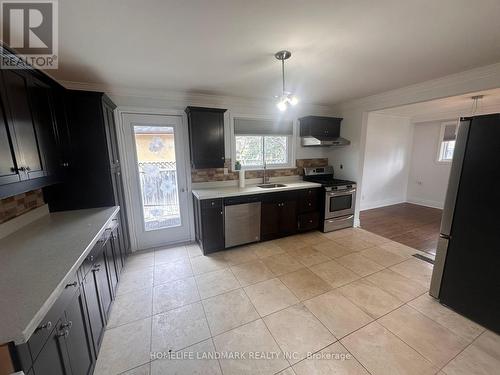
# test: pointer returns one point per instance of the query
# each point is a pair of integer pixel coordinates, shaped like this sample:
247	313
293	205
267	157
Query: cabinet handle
22	169
68	324
221	212
46	326
13	169
310	204
64	333
72	284
28	169
223	158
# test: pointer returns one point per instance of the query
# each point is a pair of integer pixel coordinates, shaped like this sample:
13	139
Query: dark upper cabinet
319	126
206	137
209	224
8	168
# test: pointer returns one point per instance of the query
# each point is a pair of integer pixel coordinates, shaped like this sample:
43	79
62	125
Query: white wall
428	178
387	161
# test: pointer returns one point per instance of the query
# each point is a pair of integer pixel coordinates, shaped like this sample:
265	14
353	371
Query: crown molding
477	79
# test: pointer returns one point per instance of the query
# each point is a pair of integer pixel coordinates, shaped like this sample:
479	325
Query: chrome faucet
265	177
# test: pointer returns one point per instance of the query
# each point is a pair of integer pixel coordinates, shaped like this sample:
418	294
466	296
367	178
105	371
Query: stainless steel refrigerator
466	274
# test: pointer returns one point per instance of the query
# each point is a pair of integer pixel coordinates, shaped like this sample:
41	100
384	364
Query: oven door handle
338	193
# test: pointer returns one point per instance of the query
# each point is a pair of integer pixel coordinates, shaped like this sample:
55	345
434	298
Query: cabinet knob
28	169
223	158
72	284
68	324
46	326
22	169
309	204
13	169
64	333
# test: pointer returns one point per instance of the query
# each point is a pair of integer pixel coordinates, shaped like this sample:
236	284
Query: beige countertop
233	191
37	260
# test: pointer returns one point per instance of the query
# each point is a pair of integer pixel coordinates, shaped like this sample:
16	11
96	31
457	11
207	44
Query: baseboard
426	203
383	203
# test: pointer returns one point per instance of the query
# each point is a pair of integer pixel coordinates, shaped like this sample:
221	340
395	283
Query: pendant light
286	98
475	103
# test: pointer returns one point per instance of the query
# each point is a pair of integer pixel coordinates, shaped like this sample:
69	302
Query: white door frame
126	155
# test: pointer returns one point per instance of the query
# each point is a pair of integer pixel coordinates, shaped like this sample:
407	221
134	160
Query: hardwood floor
410	224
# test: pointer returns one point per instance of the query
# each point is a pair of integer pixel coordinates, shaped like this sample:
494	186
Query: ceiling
341	49
451	107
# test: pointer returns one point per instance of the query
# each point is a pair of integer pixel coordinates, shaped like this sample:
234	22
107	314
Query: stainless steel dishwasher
241	220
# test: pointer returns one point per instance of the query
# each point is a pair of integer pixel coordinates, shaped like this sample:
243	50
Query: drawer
211	203
48	324
308	200
308	221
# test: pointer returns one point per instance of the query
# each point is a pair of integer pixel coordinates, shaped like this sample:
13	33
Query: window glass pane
276	148
155	147
448	147
249	150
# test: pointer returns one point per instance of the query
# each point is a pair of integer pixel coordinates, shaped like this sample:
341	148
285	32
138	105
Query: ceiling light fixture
286	98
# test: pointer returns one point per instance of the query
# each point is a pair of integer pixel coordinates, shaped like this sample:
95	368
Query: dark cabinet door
78	337
111	266
42	104
212	221
288	218
100	271
15	95
8	168
269	223
53	358
116	244
95	311
206	137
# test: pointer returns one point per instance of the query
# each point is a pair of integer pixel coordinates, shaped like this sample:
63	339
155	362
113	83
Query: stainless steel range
340	198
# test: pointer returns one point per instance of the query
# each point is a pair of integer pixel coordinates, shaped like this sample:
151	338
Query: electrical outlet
226	171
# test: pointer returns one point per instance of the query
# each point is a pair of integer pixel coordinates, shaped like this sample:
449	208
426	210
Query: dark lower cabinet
68	340
278	215
209	224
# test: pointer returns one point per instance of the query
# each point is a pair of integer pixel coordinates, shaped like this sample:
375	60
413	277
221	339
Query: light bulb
293	100
281	105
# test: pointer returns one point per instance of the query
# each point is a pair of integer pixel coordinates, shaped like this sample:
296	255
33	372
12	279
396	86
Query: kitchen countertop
233	191
37	261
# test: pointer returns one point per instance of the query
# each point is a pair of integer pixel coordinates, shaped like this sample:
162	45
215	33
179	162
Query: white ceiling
446	108
342	49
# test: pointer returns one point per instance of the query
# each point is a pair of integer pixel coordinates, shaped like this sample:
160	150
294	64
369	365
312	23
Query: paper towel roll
242	178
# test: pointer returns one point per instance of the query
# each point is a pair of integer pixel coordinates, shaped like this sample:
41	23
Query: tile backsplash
17	205
217	174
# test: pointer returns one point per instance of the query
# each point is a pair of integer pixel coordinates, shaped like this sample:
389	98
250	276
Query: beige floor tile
282	263
337	313
334	359
415	269
130	307
134	280
179	328
447	317
217	282
194	250
175	294
397	285
334	273
290	243
251	337
174	270
169	254
139	260
239	255
480	358
383	257
140	370
354	243
270	296
332	249
398	248
252	272
382	353
343	233
298	332
124	348
266	249
374	301
208	263
192	360
435	342
359	264
305	284
229	310
308	256
372	238
312	238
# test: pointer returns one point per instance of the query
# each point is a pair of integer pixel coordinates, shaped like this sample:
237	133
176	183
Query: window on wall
447	141
262	142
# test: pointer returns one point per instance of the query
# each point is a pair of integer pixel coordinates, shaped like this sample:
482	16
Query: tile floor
347	302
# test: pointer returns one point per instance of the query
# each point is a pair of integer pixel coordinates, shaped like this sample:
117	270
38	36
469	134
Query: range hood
321	131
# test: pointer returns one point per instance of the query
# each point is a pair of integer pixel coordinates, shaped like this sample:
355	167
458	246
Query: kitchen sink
271	186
